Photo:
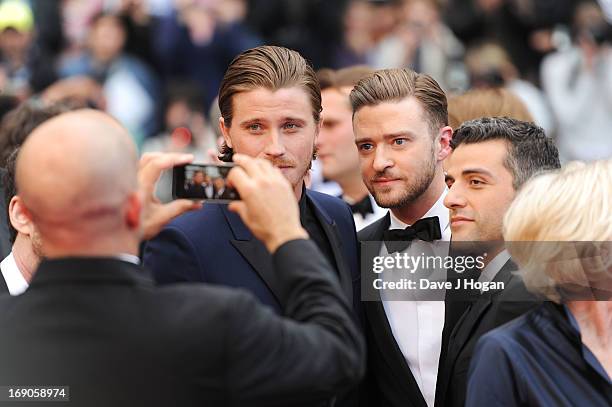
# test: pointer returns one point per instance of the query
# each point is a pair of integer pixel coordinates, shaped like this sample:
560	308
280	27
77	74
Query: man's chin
291	174
387	202
387	198
296	180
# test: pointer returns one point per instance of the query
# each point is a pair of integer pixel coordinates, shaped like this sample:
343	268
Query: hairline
433	127
245	88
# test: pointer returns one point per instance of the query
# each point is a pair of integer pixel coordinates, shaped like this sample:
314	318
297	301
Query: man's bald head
75	173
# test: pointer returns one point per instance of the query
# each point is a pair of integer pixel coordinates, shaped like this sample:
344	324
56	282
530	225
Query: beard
414	187
299	170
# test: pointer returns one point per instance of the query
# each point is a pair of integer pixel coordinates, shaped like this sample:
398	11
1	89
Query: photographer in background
578	83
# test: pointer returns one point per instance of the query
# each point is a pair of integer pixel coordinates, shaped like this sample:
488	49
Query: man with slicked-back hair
401	130
270	103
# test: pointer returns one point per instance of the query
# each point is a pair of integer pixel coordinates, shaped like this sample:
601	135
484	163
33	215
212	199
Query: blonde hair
559	230
393	85
493	102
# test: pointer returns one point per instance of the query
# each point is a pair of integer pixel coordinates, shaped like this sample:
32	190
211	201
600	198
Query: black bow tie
398	240
363	207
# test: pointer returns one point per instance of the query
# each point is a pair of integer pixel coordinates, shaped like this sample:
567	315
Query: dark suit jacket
490	310
5	238
101	327
537	360
213	245
196	191
388	381
3	286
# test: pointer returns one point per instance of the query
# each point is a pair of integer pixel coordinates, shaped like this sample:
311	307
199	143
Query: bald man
93	320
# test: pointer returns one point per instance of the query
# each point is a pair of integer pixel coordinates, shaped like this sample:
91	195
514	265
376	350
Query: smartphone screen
206	182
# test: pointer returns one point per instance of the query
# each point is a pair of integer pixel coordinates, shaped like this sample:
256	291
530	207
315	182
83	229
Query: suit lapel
379	324
333	236
470	319
3	287
253	250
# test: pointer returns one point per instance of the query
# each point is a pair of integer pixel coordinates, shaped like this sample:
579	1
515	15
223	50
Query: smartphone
203	182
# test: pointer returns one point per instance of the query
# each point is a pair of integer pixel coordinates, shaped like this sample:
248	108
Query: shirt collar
15	281
438	209
17	284
130	258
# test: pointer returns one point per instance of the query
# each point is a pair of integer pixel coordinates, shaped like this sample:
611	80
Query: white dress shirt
417	325
15	281
361	221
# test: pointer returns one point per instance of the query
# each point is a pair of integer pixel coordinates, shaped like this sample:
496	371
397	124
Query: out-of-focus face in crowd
397	150
481	190
336	142
107	38
14	43
277	126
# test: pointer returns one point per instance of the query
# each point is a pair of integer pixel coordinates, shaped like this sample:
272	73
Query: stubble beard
412	191
299	181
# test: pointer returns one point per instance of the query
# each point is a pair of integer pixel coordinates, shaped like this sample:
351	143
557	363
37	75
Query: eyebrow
479	171
405	133
259	119
293	119
250	121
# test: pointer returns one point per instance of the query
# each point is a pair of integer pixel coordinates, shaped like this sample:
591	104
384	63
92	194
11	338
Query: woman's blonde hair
559	231
491	102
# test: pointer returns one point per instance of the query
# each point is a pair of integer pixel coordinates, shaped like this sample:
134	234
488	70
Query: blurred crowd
156	65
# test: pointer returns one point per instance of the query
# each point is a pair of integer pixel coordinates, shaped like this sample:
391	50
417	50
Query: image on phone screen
206	182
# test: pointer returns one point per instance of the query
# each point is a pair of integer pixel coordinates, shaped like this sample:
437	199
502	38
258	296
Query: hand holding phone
154	213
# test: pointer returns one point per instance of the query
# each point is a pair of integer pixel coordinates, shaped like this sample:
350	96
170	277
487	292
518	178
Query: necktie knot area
426	229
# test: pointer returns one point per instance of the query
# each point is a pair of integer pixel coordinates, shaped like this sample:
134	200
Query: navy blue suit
213	245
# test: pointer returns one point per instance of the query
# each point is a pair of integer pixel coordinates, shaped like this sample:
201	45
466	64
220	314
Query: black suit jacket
389	381
490	310
3	286
101	327
5	238
196	191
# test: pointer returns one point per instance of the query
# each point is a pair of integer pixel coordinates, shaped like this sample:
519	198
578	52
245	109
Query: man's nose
274	146
382	160
455	197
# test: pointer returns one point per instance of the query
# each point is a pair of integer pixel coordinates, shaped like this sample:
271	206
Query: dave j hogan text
426	284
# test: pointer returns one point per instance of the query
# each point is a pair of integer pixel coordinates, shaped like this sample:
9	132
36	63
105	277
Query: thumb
175	208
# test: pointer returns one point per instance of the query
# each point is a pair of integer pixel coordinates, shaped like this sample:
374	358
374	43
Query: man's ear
444	143
134	210
19	216
225	132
